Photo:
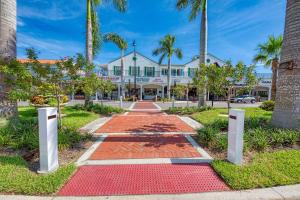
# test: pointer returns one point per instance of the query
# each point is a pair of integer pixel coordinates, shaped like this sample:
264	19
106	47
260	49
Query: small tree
179	91
214	75
19	80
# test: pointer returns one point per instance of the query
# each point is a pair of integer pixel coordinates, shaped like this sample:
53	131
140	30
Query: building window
132	71
208	60
191	72
117	70
149	71
164	72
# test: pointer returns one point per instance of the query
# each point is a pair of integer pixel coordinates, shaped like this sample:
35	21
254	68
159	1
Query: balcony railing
143	74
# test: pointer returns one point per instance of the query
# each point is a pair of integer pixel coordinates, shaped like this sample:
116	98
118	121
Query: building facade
150	80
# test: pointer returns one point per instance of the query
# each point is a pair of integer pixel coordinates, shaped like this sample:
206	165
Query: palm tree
8	25
269	55
287	105
198	6
166	50
93	34
122	45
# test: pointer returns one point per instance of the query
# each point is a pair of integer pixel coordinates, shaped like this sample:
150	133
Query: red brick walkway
128	179
150	123
144	105
143	179
144	146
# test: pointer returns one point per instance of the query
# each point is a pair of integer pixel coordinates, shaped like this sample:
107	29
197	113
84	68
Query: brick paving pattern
143	179
144	105
105	180
144	146
139	124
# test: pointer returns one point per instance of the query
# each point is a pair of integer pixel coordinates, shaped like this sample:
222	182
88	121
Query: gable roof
137	53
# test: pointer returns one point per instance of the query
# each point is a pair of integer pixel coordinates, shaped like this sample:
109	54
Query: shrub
268	105
281	137
23	134
258	139
187	110
37	100
65	99
165	100
99	109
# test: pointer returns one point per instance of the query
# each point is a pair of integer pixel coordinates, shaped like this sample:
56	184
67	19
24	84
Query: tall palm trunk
203	50
287	106
8	49
122	74
274	78
169	79
89	41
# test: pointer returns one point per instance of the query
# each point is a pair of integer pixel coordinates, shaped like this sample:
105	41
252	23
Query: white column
119	91
270	92
141	93
235	136
48	139
96	97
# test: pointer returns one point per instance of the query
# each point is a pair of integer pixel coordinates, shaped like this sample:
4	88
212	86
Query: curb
291	192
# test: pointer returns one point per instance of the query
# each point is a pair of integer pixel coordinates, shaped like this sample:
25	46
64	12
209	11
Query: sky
56	28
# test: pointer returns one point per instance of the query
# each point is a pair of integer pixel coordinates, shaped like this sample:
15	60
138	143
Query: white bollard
121	102
48	140
173	102
235	136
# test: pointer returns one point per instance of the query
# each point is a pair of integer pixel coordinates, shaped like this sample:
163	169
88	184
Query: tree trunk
274	78
122	75
287	104
89	42
8	51
203	50
169	79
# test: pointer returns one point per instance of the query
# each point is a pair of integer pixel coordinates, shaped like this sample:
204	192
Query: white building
151	78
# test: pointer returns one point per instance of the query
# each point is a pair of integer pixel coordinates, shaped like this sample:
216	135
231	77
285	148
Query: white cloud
50	47
52	10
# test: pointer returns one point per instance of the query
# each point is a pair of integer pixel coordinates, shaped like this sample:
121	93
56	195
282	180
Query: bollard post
173	102
121	102
235	136
48	139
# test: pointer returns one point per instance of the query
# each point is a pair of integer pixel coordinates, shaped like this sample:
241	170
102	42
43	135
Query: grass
208	117
22	134
265	170
73	118
15	177
77	118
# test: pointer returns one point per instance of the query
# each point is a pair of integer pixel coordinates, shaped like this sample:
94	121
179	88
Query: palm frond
269	50
182	4
196	8
116	39
163	56
178	53
120	5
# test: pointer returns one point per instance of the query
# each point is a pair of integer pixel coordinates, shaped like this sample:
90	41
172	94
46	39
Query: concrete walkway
274	193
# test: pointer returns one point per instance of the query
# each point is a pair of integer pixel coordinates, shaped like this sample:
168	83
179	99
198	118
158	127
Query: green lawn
265	170
207	117
72	119
15	177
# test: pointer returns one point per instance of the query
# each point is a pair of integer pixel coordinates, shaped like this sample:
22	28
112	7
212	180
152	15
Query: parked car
243	99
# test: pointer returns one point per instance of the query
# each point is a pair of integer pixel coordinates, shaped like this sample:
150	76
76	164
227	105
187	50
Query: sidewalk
274	193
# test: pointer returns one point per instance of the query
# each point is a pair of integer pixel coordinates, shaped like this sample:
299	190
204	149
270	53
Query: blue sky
56	28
